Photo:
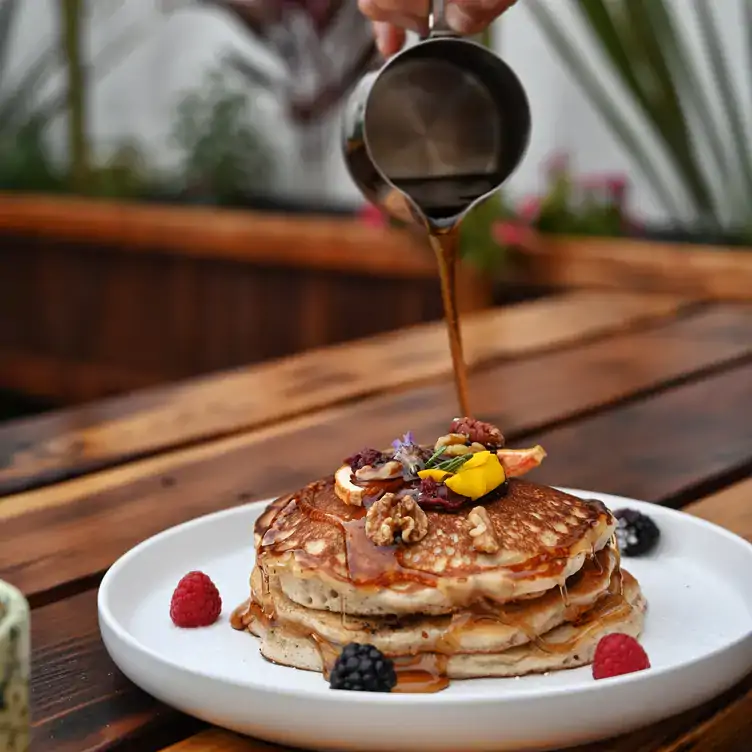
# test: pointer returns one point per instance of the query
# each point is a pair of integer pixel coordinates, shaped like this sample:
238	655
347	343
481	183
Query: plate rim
388	699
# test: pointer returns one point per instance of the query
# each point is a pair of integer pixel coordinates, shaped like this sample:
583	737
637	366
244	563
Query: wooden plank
730	508
343	244
50	530
80	701
662	448
101	434
44	375
106	708
704	272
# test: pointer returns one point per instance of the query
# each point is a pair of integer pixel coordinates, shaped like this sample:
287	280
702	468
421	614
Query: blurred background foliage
224	158
685	101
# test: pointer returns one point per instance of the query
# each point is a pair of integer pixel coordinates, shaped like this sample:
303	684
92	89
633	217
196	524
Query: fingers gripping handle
437	24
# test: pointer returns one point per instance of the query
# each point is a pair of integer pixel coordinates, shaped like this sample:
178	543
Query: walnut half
482	531
393	517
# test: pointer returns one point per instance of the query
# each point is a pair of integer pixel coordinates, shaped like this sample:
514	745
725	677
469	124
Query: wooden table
642	395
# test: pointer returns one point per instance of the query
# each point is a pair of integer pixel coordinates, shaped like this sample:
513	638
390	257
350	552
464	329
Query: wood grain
310	241
105	709
665	448
704	272
67	533
80	701
93	436
90	324
731	508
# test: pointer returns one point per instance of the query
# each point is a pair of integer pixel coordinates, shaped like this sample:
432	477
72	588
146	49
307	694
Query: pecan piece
478	431
482	531
393	517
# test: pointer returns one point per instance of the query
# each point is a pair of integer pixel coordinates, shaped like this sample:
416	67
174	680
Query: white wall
137	98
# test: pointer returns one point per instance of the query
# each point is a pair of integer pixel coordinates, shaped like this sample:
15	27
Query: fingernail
458	20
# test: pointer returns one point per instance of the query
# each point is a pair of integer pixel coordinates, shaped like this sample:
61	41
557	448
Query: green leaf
682	63
623	30
603	102
723	80
16	107
667	112
7	16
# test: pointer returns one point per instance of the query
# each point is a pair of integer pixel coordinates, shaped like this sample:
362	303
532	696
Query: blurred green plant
72	18
649	54
581	205
123	174
478	245
27	111
25	162
223	157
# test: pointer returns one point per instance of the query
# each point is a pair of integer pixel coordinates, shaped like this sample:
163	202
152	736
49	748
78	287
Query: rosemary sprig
454	464
431	461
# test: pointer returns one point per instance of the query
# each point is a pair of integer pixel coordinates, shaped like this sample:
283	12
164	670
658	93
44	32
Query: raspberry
196	601
618	654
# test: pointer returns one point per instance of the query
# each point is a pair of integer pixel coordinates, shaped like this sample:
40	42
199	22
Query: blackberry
363	668
636	533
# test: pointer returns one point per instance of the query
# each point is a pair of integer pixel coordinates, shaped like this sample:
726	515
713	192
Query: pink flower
513	234
617	184
529	209
592	183
557	164
372	216
610	188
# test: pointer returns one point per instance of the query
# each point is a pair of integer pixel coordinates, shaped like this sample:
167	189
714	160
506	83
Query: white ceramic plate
698	635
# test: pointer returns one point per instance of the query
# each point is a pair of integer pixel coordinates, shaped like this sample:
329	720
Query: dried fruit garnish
438	497
365	457
433	495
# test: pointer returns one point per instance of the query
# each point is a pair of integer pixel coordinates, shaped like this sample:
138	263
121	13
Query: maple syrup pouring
446	247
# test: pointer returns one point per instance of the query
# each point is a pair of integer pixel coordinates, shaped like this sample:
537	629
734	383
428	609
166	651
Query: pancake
443	559
484	628
316	548
566	646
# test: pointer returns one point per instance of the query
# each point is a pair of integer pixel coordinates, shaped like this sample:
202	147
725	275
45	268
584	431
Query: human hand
392	17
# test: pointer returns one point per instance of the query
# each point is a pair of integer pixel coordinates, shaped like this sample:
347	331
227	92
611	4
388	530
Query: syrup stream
446	247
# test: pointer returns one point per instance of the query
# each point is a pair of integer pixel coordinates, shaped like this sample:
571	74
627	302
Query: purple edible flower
407	440
410	455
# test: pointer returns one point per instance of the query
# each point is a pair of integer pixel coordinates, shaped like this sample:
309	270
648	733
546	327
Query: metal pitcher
437	129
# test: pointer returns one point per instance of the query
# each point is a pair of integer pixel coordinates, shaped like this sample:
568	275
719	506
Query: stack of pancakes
440	607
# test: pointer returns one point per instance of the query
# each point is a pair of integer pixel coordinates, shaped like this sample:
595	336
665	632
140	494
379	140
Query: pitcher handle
437	25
